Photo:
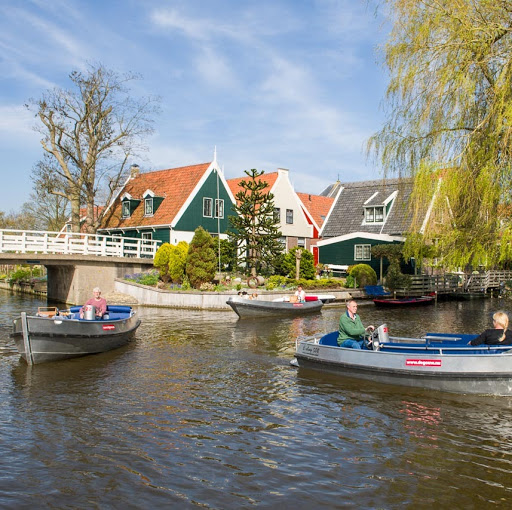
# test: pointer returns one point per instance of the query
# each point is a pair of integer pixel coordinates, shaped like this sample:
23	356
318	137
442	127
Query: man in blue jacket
351	330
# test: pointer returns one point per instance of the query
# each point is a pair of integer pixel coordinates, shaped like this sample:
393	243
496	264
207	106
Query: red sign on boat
108	327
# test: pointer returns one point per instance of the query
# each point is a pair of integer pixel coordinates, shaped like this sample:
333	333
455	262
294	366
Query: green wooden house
168	205
363	214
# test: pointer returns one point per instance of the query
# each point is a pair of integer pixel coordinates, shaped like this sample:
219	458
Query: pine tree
201	258
255	232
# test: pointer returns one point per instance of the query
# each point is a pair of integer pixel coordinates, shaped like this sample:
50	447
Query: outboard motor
89	312
381	334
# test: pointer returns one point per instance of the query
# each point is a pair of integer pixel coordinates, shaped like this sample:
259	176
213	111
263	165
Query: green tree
450	123
307	264
255	227
227	255
201	258
390	251
161	261
178	261
89	134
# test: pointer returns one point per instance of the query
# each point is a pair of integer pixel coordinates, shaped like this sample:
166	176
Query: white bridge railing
70	243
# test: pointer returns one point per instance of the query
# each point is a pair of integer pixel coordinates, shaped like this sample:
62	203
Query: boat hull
477	372
53	339
420	301
249	308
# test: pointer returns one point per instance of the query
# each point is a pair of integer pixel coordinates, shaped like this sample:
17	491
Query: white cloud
16	121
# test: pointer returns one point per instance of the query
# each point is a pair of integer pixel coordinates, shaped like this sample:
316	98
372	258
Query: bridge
76	262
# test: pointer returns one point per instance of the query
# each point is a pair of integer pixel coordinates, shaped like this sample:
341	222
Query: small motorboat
437	361
53	335
245	307
325	298
405	301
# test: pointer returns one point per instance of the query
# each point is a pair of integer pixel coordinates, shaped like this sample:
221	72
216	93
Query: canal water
204	411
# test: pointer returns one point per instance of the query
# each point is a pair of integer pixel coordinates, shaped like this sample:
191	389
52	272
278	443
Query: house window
282	240
147	236
301	242
126	209
207	207
219	208
374	215
363	252
68	227
148	206
289	216
277	214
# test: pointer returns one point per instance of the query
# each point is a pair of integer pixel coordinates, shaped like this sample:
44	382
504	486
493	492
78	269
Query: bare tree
89	134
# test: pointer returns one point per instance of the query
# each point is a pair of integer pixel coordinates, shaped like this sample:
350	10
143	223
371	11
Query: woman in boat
351	329
499	335
300	294
98	302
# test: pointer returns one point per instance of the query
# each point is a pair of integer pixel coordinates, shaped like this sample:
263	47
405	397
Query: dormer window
374	214
126	209
148	206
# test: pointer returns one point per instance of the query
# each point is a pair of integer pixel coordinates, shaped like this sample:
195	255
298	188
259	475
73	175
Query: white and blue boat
53	335
437	361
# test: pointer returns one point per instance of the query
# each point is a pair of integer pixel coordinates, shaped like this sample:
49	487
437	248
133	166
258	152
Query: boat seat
330	339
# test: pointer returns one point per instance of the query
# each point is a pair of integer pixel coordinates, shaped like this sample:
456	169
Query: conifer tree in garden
201	258
255	228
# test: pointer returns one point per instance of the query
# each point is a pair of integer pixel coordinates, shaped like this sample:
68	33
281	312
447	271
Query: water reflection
203	409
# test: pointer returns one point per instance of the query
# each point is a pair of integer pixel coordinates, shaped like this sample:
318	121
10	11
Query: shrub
307	267
19	275
395	279
275	281
150	279
178	261
161	262
363	274
201	258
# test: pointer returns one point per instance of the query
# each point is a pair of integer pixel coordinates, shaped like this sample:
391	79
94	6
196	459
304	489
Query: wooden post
26	339
298	255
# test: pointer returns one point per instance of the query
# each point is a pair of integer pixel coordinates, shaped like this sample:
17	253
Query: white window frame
301	242
289	216
363	248
277	214
370	214
219	205
125	205
207	203
147	202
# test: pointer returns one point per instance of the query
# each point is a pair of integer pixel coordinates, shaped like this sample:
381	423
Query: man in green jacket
351	330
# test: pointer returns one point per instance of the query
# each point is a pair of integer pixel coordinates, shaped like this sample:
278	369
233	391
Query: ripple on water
204	410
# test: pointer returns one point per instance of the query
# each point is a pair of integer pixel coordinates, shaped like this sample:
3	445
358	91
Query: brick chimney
134	171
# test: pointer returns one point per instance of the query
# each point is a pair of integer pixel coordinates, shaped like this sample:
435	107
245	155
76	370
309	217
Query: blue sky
274	83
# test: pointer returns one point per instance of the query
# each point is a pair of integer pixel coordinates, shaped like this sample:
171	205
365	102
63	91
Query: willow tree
449	124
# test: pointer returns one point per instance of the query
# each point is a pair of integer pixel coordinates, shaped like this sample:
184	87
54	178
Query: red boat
406	301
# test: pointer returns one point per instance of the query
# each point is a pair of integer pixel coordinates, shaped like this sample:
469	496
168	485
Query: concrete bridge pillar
73	283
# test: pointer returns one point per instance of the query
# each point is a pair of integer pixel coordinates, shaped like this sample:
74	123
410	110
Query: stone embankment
196	300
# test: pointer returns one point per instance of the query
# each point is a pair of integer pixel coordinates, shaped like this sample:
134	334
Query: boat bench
114	312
